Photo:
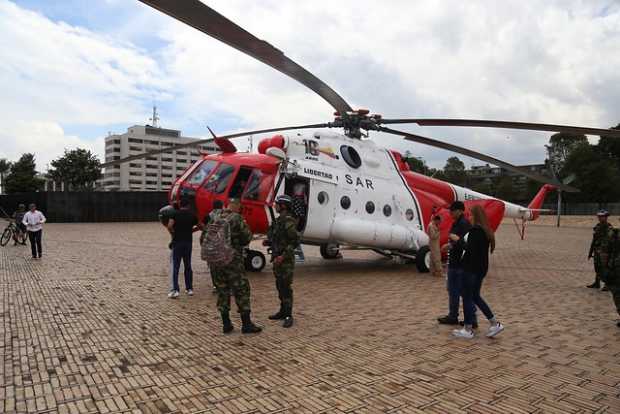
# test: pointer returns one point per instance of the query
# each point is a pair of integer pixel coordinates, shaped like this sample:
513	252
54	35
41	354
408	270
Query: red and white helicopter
357	193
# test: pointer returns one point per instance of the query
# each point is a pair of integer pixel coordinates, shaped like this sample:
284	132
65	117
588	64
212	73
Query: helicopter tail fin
538	200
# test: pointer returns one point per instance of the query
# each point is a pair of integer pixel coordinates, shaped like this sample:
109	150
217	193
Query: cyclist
18	216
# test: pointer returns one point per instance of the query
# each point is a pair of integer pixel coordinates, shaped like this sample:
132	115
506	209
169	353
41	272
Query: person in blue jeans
460	227
477	244
181	226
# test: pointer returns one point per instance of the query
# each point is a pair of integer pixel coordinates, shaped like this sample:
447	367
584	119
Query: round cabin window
370	207
350	156
322	197
345	202
409	214
387	210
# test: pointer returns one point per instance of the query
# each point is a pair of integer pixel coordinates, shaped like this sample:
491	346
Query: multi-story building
485	175
154	173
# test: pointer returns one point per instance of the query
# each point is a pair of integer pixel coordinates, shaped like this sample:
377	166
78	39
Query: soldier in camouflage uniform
283	238
600	239
231	278
611	276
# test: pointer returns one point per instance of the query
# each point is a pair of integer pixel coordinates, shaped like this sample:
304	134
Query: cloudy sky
70	71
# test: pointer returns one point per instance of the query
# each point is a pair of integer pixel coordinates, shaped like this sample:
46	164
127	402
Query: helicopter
356	194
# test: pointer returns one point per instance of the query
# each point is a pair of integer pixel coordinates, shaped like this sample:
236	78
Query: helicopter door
299	190
253	199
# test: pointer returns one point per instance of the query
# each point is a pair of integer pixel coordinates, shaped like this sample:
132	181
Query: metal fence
97	206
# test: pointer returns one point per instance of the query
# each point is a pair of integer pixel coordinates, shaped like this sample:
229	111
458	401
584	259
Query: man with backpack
226	236
218	205
283	238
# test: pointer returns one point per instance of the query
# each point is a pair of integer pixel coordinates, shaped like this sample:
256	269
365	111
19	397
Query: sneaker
448	320
189	292
605	289
494	330
474	326
173	294
463	333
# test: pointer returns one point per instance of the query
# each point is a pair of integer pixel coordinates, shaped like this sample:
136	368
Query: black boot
278	315
594	285
227	325
248	326
288	317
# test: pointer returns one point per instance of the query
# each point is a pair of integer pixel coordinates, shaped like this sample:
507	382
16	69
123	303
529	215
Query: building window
181	160
370	207
132	165
345	202
135	140
133	148
387	210
323	198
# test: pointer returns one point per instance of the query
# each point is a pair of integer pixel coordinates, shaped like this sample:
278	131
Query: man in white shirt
33	220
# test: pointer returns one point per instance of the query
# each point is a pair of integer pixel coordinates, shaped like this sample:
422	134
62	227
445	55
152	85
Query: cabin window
259	186
345	202
202	172
370	207
350	156
219	180
323	198
387	210
240	182
409	214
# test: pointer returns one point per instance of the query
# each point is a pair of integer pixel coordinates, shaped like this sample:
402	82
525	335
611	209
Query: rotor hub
354	122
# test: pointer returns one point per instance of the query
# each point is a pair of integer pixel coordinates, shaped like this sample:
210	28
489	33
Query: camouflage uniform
611	276
598	249
284	238
231	278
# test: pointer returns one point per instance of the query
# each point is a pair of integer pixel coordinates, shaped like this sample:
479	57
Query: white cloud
540	61
54	74
537	61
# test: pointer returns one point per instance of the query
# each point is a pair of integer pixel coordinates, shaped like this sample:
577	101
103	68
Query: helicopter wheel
255	261
330	251
423	259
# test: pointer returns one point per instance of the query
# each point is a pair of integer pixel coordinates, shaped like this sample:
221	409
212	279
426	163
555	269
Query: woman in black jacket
478	242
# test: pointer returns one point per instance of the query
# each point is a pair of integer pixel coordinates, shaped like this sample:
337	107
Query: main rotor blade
482	157
204	141
207	20
506	124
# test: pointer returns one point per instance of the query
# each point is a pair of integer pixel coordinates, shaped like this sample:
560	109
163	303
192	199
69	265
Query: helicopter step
421	258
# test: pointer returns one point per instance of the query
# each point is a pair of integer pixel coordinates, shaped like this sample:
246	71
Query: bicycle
12	232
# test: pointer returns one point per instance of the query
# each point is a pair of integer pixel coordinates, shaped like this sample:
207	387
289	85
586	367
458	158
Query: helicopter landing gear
423	259
330	251
254	261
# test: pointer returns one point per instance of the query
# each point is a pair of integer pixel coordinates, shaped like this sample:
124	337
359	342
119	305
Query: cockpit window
202	172
219	180
253	187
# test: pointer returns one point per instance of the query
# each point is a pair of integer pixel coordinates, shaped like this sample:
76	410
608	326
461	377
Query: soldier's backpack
216	247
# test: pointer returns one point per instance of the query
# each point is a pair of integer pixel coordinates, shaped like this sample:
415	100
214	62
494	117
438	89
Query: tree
597	175
5	167
418	165
454	171
560	147
610	146
23	176
78	169
504	189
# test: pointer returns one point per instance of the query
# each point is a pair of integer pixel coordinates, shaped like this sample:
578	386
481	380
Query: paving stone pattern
89	329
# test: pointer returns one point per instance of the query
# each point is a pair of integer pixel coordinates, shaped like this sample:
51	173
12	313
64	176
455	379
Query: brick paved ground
89	329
